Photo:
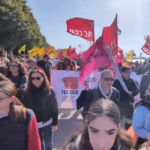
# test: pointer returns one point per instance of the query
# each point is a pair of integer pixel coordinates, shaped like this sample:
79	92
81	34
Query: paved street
70	123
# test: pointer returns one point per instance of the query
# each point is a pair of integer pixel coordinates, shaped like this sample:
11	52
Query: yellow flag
129	56
22	49
41	50
33	52
52	52
64	52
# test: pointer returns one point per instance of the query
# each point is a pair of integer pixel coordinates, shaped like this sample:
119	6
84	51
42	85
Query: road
70	123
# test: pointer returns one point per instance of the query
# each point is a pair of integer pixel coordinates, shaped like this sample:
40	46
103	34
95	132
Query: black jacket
43	104
144	84
95	94
131	86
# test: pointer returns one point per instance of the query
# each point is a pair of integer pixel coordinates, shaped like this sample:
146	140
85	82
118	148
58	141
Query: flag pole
108	50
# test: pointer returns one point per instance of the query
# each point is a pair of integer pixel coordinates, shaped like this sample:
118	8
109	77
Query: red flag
81	27
146	49
59	54
110	35
119	56
95	58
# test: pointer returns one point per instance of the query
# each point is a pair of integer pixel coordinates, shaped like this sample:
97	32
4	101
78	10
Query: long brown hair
9	89
110	109
22	68
45	84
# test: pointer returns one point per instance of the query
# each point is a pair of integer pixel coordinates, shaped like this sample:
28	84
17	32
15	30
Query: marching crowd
29	110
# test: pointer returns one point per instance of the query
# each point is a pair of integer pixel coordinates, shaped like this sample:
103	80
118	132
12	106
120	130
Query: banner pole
108	50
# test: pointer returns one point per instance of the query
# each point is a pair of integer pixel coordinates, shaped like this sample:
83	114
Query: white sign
67	86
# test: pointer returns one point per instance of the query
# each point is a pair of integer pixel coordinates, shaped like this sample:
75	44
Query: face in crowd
107	78
37	79
103	124
125	72
13	67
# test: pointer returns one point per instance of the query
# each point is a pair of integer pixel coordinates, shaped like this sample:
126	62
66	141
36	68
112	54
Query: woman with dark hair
17	73
18	126
61	66
68	64
102	129
42	100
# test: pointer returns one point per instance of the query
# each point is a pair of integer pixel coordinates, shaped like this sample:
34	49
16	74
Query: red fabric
69	54
81	27
110	35
95	58
60	54
119	56
146	49
34	142
37	67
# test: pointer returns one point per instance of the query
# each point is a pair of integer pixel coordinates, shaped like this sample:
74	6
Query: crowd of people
29	110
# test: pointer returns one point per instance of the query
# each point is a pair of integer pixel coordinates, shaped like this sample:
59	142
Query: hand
129	92
54	128
145	145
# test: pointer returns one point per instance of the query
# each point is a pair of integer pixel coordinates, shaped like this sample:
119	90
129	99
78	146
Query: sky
133	20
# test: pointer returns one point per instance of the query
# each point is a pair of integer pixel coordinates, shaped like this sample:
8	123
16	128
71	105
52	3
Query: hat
46	56
32	59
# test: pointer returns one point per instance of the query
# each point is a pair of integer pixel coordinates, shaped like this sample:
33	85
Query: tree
18	26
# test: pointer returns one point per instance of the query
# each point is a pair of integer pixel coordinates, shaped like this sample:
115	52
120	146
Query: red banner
110	35
95	58
146	49
81	27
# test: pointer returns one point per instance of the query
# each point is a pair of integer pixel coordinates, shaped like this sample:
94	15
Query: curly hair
22	68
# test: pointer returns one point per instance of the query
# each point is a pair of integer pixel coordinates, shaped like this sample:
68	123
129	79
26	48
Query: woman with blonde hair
18	126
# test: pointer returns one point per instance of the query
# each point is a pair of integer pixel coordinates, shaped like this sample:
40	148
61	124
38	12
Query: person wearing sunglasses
18	125
104	90
40	97
32	64
127	98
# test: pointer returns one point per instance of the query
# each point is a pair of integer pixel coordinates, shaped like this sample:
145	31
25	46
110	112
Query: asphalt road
70	123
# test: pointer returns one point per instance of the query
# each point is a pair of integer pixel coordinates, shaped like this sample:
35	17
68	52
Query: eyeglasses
13	66
35	78
108	79
1	99
29	61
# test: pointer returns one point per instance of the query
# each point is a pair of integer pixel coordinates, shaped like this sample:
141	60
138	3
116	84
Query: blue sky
133	20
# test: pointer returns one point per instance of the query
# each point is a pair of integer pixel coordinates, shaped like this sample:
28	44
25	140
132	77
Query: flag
119	56
129	56
110	35
94	59
146	49
81	27
59	54
22	49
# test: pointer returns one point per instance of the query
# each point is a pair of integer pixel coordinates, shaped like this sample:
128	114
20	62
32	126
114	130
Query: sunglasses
35	78
14	66
108	79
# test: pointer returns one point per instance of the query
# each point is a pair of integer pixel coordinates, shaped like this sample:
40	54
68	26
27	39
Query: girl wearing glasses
17	73
18	126
102	129
42	100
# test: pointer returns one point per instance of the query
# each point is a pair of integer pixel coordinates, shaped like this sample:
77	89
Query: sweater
21	134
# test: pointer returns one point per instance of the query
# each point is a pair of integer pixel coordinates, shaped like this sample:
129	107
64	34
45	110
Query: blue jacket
141	121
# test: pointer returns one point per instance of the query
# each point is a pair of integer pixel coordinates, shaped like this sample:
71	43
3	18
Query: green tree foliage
18	26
